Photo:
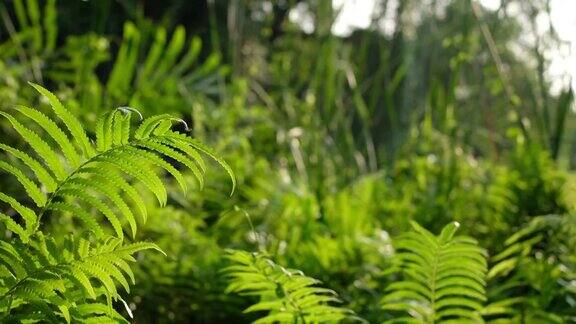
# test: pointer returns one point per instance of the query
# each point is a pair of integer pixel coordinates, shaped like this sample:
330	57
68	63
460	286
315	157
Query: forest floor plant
44	277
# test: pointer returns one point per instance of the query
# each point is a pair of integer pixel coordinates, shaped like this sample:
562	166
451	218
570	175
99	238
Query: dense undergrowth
375	177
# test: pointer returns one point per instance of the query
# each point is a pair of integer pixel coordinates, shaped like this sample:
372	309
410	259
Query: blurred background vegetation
437	111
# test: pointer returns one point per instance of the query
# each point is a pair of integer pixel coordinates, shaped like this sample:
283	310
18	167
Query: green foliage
530	279
42	274
87	176
32	39
443	277
438	179
170	69
339	143
287	295
39	272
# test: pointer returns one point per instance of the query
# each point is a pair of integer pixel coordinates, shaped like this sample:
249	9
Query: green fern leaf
104	191
181	158
41	173
99	186
443	277
31	189
80	192
103	132
40	146
138	169
14	227
71	122
103	264
149	125
159	162
55	132
206	150
87	219
287	295
114	182
28	215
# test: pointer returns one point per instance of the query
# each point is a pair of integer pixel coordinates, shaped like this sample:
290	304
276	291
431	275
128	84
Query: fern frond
443	276
96	313
96	184
40	271
288	296
100	176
